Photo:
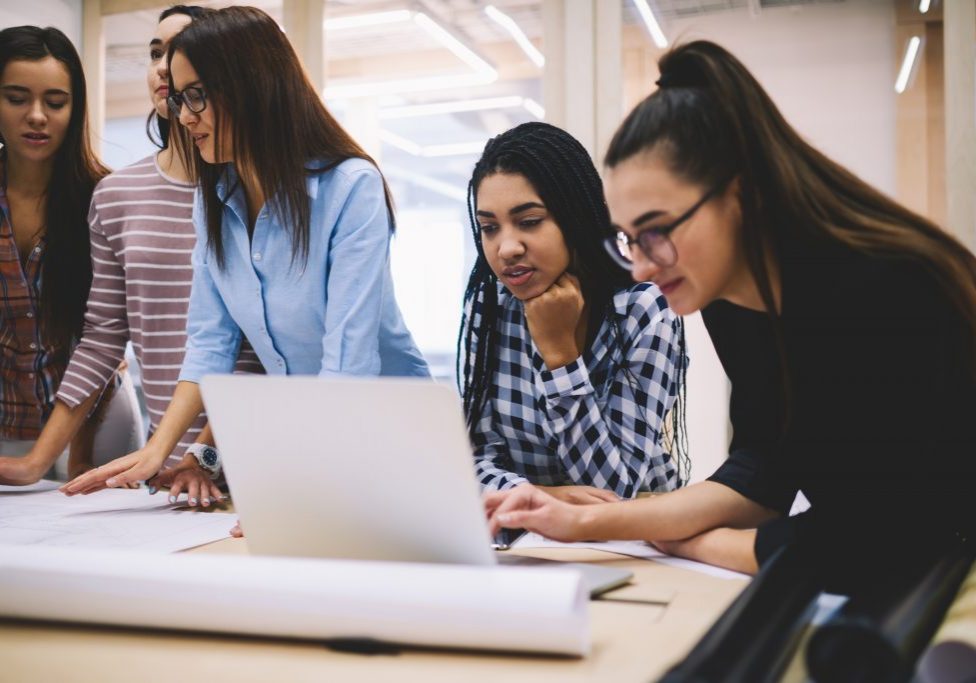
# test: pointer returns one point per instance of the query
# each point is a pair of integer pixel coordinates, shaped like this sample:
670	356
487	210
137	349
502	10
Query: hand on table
129	469
190	478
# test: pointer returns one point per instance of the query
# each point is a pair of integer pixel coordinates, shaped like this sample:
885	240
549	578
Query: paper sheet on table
123	519
526	609
638	549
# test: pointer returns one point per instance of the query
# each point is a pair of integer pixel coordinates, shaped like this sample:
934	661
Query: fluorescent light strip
446	150
923	6
507	23
650	21
426	182
483	72
911	53
457	106
362	20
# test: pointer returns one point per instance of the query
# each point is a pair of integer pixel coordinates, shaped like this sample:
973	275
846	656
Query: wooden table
638	632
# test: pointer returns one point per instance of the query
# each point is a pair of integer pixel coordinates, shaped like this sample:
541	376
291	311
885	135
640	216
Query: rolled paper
521	609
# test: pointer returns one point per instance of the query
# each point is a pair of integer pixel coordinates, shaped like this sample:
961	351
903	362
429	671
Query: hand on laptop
580	495
527	507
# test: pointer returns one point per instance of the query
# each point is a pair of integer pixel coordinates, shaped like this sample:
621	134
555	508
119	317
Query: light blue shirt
337	315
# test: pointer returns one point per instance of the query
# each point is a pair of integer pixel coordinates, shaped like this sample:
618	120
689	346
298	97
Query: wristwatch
207	457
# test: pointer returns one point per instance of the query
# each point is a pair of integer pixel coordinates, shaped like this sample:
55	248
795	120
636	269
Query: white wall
830	68
61	14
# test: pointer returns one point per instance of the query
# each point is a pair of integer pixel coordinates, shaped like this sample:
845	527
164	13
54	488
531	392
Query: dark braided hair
559	168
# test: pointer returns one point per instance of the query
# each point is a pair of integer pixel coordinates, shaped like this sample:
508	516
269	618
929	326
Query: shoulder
134	174
642	305
345	175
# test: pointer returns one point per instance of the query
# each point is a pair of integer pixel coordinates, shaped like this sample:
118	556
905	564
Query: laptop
365	469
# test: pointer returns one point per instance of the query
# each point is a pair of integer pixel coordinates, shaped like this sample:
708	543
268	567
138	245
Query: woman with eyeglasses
293	223
141	236
845	322
47	174
569	369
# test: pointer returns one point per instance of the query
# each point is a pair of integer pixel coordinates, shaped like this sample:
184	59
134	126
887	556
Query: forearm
676	515
183	409
63	428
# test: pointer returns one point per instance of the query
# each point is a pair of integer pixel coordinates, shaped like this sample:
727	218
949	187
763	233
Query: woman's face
523	245
35	108
643	194
201	125
158	75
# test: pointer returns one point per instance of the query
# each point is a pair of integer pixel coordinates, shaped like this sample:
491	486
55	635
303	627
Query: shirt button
257	256
30	314
37	250
31	375
33	346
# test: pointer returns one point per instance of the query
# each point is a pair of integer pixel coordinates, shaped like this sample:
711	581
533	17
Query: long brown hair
66	272
281	130
711	121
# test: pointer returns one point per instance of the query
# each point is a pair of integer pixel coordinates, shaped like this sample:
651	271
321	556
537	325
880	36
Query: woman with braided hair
567	368
845	322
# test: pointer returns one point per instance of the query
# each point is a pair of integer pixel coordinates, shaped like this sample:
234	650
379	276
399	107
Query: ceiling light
507	23
923	6
650	21
482	72
907	64
361	20
457	106
444	150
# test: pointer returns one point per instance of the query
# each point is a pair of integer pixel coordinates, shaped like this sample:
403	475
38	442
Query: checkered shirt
30	369
597	421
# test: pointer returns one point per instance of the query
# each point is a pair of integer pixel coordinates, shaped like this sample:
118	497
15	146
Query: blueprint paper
123	519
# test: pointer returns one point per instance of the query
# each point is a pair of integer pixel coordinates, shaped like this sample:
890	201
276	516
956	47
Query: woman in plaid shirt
47	173
569	369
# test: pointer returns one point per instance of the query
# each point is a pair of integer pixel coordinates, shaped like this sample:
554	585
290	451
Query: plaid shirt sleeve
617	449
492	462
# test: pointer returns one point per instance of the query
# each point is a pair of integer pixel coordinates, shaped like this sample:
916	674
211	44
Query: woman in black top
845	322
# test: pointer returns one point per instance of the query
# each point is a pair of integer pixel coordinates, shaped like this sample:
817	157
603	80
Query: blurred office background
886	87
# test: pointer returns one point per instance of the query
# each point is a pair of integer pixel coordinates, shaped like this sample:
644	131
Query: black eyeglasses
193	97
654	242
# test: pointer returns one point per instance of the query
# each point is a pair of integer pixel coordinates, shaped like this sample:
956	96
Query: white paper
526	609
638	549
124	519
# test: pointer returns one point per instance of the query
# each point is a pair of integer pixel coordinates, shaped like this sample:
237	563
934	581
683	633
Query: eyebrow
50	91
155	41
514	210
647	216
195	84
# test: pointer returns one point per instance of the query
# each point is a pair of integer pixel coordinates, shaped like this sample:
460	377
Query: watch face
209	457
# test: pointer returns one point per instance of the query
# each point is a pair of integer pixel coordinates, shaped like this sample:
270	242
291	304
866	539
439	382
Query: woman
293	227
141	235
47	173
844	321
569	367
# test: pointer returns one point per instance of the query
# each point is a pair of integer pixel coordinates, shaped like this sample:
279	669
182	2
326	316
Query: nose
644	269
36	116
186	116
510	247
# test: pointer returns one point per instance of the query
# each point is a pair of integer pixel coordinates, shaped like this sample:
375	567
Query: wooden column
93	60
960	118
303	25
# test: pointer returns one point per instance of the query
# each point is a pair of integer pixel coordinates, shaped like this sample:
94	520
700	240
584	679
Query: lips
517	275
671	285
198	139
36	138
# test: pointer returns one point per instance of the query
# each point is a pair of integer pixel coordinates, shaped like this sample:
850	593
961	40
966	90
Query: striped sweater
141	240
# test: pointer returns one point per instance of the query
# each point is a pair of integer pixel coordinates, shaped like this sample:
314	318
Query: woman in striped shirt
293	228
141	236
47	173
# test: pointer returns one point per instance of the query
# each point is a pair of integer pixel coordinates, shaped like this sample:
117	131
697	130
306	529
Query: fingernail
206	502
172	499
504	518
152	490
193	501
110	482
